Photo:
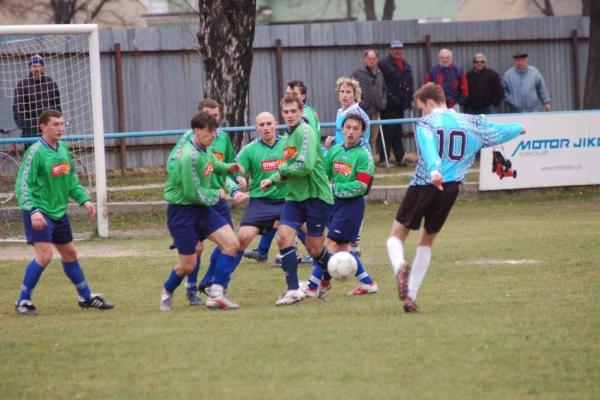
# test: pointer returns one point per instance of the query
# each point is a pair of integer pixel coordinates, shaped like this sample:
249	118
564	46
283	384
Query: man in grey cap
32	96
523	85
400	87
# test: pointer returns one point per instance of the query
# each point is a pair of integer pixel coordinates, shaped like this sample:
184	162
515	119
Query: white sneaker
290	297
217	299
308	291
166	301
364	288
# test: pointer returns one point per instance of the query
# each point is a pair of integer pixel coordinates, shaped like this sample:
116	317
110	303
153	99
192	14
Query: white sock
419	270
395	253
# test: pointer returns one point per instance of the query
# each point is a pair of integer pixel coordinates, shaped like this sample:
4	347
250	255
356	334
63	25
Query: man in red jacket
451	78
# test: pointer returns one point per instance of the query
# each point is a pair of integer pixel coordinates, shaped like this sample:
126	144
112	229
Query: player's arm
494	134
26	179
362	179
428	150
76	191
329	164
306	157
192	188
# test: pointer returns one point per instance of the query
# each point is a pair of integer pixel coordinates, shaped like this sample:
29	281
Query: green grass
486	331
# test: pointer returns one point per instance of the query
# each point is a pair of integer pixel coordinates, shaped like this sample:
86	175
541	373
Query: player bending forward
350	166
447	143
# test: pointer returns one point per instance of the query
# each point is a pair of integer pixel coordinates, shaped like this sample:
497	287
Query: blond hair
353	83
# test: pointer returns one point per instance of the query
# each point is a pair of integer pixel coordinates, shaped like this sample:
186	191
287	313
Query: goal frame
96	93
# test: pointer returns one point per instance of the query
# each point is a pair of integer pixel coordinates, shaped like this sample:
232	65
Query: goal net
56	67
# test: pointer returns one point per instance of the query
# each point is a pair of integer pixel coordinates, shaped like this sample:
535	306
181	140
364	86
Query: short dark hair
430	91
297	84
356	117
202	120
208	103
47	114
291	98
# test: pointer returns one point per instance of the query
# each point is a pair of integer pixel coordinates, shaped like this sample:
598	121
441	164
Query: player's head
265	126
291	109
204	126
52	125
445	57
430	96
348	91
212	107
298	87
354	128
36	65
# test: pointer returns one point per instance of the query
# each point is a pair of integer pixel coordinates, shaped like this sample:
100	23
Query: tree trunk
370	10
585	8
225	36
591	98
388	10
63	11
546	9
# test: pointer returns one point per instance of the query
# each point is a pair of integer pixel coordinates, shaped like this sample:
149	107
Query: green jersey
223	151
190	169
351	170
312	118
47	180
259	161
304	167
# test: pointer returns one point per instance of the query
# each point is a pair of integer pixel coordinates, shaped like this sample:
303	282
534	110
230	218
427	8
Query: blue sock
361	272
173	281
265	241
75	273
289	263
316	276
302	236
33	272
192	278
322	260
225	267
209	275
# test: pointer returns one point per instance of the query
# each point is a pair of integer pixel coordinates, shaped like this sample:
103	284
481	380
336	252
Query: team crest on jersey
219	156
62	168
271	165
340	167
290	152
209	169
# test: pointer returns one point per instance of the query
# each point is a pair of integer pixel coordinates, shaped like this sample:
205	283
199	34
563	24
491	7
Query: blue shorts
262	213
57	231
222	208
346	218
191	224
315	212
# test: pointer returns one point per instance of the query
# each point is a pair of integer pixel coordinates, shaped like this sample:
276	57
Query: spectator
523	85
399	83
485	88
32	96
451	78
372	84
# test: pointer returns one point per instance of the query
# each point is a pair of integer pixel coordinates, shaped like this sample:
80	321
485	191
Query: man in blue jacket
523	85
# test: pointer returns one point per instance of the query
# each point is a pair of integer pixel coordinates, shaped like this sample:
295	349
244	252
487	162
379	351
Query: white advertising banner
558	149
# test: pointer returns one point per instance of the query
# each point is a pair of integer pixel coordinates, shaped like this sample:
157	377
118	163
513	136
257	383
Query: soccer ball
342	265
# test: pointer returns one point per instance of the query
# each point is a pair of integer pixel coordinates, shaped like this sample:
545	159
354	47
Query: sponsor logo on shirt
290	152
271	165
343	168
219	156
62	168
209	169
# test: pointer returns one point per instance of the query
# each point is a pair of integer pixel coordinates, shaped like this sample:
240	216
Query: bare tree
546	9
65	10
370	10
591	98
388	10
225	37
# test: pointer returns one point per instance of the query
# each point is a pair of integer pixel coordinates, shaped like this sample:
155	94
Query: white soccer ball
342	265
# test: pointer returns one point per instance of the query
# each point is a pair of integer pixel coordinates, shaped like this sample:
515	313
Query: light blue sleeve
493	134
428	148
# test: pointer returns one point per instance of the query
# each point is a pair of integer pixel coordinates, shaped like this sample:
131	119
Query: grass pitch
509	311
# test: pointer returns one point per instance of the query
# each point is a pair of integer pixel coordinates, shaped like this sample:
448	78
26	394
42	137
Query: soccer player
447	143
350	167
308	200
190	216
298	88
45	182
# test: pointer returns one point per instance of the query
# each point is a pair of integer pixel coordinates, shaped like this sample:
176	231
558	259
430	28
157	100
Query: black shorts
427	202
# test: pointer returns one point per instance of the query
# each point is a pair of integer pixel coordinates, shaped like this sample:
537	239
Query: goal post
81	97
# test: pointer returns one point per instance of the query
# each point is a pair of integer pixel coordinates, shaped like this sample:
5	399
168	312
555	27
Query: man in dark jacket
373	90
400	86
451	78
32	96
485	88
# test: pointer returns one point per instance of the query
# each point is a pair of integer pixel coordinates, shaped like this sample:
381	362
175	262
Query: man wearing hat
523	85
399	82
32	96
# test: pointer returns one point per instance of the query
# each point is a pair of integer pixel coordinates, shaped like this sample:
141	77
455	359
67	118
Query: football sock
316	276
265	241
192	278
173	281
209	275
225	267
395	253
289	264
361	273
322	260
302	236
419	269
32	275
75	273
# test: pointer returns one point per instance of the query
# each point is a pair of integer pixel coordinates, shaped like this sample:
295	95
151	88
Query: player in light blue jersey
447	143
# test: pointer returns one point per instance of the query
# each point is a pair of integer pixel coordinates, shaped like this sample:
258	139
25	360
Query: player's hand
242	182
329	141
222	194
547	107
38	222
265	183
91	210
240	197
437	180
235	168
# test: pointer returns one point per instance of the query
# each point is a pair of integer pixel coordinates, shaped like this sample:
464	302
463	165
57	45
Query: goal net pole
96	100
